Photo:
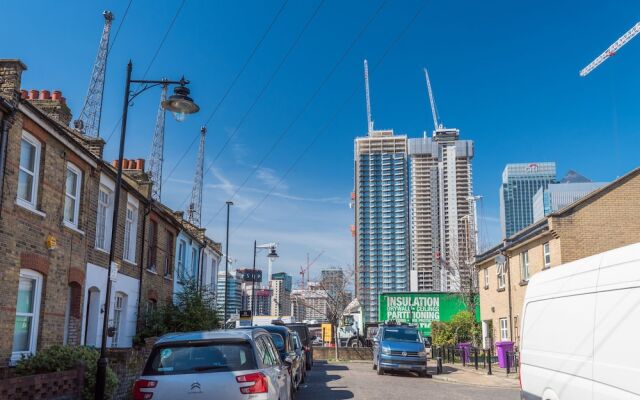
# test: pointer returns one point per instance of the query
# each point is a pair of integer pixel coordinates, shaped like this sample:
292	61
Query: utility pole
89	120
226	267
194	212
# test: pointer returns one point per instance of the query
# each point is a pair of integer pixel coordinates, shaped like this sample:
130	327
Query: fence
67	385
474	357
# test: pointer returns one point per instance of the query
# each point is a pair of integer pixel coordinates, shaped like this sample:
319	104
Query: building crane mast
195	206
434	110
157	150
89	120
612	50
368	99
305	270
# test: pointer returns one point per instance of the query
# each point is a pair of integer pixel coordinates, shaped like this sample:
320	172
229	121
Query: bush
193	310
463	327
63	358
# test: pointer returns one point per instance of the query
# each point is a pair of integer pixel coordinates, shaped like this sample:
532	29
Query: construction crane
89	120
305	270
157	150
612	50
368	99
434	111
195	207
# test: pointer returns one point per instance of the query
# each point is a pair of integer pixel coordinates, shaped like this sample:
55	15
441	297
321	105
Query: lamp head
272	254
180	104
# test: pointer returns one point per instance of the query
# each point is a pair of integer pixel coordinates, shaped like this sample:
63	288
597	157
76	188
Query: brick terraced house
603	220
56	209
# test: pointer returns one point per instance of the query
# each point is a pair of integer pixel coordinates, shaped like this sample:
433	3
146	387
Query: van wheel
379	370
422	374
374	366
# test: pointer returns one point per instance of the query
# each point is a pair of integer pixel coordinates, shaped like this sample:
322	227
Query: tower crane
368	99
157	150
89	120
305	270
612	50
195	206
434	110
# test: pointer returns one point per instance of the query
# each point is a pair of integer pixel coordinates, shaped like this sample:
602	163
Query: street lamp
180	104
226	268
272	256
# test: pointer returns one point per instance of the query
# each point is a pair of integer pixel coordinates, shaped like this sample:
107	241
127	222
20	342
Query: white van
581	330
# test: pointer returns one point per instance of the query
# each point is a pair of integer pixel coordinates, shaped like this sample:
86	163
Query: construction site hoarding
421	308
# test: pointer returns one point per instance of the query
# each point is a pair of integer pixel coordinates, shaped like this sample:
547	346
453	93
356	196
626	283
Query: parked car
297	344
399	347
579	327
234	364
307	340
283	340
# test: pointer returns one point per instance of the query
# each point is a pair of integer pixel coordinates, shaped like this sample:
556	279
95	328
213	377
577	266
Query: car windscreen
302	331
403	335
190	358
278	340
296	340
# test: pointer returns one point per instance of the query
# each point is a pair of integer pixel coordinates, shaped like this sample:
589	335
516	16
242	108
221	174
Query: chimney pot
115	164
57	95
33	94
140	164
24	94
45	95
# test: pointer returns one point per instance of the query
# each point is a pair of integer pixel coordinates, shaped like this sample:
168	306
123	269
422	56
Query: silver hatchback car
234	364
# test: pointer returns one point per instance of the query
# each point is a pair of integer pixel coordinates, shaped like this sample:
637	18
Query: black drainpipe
4	131
147	210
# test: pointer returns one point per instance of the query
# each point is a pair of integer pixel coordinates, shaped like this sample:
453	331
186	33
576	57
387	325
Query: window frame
106	235
35	314
76	196
119	313
194	261
504	331
181	257
130	233
486	278
546	253
524	266
37	144
500	272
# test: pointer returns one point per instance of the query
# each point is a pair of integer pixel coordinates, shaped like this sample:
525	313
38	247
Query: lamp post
272	257
226	268
180	104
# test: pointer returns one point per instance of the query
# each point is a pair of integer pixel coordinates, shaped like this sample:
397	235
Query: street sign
245	314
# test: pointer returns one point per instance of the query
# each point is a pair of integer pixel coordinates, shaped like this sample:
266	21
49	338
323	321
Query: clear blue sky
505	73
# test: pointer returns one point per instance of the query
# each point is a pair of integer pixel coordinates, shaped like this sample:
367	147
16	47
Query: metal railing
474	357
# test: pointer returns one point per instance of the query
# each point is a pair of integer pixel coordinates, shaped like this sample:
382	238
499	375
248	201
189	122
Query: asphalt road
338	381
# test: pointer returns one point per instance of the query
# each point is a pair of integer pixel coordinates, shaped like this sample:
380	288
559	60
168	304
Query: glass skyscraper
382	218
520	183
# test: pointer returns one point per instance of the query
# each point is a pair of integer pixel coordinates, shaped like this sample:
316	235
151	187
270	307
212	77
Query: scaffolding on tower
194	212
157	150
88	121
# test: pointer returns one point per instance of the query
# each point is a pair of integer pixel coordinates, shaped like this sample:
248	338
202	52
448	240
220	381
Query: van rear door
616	347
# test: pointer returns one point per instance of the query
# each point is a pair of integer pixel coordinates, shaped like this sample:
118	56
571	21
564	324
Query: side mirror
288	361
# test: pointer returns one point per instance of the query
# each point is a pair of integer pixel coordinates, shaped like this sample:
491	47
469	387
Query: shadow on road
318	380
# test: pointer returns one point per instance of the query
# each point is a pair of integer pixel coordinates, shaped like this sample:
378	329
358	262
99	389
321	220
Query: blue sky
505	73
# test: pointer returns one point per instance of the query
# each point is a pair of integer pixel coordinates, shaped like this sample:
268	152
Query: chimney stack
10	79
54	106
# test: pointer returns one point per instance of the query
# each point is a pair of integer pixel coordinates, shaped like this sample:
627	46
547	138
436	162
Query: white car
580	328
235	364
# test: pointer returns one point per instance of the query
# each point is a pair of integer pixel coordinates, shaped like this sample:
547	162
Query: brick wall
603	221
23	233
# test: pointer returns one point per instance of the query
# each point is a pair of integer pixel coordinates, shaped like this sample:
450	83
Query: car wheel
422	374
291	393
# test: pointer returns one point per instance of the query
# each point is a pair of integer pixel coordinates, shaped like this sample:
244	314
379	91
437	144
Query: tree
462	328
193	309
334	285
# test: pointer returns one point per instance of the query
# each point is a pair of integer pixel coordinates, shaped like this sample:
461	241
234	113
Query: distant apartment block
280	298
520	183
382	217
441	211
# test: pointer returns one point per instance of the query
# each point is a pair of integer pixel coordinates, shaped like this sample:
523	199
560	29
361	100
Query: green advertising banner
421	309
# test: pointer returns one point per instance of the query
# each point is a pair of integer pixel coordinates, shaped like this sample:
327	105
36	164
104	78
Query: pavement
471	376
358	380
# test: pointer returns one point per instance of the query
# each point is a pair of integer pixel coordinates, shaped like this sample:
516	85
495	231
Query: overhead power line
230	87
308	102
333	118
153	59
